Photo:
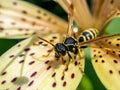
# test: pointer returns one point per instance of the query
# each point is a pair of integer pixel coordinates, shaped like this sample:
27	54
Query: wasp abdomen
88	34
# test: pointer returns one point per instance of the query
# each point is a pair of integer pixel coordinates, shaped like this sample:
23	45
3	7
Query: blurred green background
90	81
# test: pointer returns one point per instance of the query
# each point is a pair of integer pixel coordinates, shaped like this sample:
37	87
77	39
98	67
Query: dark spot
19	88
72	75
96	60
102	61
31	54
1	21
3	82
109	42
24	12
113	51
14	3
26	49
3	73
0	5
117	45
20	29
54	84
54	37
33	23
40	42
64	83
94	50
23	19
14	79
62	78
111	1
45	44
53	75
94	55
51	40
100	56
45	14
119	71
38	17
119	55
18	45
21	61
49	19
21	55
32	62
11	56
66	69
48	67
1	29
46	62
33	74
115	61
54	22
99	52
38	11
50	50
118	38
110	71
75	63
13	23
30	83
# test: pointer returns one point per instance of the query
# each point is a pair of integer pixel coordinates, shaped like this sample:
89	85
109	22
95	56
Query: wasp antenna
46	41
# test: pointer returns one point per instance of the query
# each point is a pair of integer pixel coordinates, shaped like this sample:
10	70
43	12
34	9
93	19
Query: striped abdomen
88	34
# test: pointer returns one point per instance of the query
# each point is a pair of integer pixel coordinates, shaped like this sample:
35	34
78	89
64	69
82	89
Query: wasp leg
48	53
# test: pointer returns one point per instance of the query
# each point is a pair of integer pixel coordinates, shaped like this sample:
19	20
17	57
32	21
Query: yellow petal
20	19
26	66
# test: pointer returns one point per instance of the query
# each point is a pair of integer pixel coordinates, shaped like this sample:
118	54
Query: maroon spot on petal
110	71
50	50
96	60
118	38
119	71
14	79
0	5
100	56
23	19
54	37
46	62
72	75
20	29
54	22
102	61
111	1
115	61
53	75
66	69
32	62
1	21
117	45
31	54
51	40
38	17
113	51
48	67
21	61
13	23
24	12
21	55
75	63
45	44
119	55
18	45
64	83
3	73
33	74
26	49
33	23
94	55
11	56
54	84
40	42
30	83
1	29
14	3
62	78
38	11
19	88
109	42
3	82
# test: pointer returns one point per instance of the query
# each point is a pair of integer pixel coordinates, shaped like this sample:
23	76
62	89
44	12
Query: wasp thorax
60	49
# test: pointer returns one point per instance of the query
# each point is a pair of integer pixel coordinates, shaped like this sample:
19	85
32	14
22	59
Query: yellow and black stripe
88	34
